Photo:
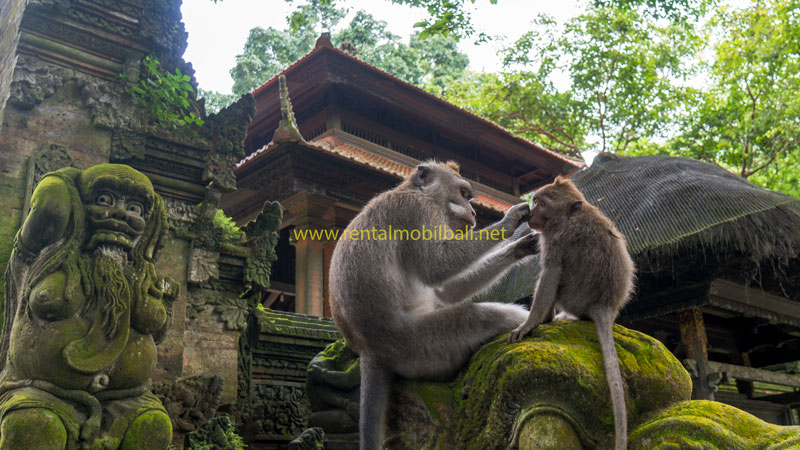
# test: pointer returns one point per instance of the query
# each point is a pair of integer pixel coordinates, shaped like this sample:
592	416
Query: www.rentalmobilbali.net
436	233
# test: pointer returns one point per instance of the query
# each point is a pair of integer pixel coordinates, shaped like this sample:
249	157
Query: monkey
402	304
587	273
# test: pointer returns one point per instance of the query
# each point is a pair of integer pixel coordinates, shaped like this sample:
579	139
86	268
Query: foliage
431	63
747	119
215	101
165	95
623	67
525	104
230	231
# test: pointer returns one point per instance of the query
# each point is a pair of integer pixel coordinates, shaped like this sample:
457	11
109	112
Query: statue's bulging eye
135	208
105	199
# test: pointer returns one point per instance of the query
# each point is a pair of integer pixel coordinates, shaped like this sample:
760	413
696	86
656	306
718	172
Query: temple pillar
309	277
307	212
327	253
693	337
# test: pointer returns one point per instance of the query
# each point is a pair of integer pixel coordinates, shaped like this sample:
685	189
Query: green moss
558	366
711	425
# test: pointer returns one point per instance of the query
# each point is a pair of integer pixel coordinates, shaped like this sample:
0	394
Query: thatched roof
681	215
664	204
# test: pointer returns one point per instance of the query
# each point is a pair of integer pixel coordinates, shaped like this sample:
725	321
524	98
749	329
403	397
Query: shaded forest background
694	78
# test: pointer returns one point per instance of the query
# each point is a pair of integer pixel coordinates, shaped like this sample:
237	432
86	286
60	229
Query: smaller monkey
587	273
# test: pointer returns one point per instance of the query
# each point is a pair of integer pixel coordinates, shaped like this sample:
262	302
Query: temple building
350	132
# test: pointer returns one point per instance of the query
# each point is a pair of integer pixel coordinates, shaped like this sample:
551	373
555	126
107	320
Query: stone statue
332	386
83	313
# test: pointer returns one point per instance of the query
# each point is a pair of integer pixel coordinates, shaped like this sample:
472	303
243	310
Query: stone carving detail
161	24
216	433
84	310
203	264
228	129
127	145
51	157
110	106
284	408
190	401
35	80
262	236
180	215
229	308
272	397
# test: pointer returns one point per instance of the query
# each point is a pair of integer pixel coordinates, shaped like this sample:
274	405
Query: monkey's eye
105	199
541	203
534	201
466	193
134	208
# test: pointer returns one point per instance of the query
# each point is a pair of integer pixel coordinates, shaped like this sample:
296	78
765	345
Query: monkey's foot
521	331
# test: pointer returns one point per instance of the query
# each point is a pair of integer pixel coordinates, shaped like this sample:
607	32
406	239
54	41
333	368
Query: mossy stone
709	425
557	368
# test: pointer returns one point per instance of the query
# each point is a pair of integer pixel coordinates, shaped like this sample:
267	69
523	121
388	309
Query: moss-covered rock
701	424
552	382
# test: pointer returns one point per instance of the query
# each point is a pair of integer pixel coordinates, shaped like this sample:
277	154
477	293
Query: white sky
218	31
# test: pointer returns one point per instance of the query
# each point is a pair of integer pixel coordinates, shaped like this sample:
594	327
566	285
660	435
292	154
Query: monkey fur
402	304
587	273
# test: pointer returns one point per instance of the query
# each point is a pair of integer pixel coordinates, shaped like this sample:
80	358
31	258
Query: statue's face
117	209
117	219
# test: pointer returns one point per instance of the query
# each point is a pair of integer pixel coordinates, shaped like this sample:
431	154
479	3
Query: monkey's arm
482	272
514	217
449	257
544	299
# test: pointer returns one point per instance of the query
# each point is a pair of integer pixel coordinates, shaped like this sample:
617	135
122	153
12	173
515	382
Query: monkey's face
559	199
459	207
448	191
540	211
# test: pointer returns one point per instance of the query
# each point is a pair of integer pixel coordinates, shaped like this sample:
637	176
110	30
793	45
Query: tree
421	61
623	67
747	119
214	101
526	105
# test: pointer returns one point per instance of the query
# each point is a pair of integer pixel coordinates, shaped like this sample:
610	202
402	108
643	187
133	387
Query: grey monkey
401	303
587	273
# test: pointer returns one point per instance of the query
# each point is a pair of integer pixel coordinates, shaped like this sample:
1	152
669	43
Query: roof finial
324	40
287	128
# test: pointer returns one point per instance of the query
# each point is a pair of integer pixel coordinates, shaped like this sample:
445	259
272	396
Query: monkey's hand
516	215
526	246
522	330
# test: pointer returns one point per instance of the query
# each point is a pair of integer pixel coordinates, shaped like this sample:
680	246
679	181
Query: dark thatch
682	215
665	204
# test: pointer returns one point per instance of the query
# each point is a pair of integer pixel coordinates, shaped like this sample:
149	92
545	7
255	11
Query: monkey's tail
605	334
375	384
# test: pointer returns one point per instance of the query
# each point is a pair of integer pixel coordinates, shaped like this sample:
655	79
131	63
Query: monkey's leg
544	299
444	339
375	384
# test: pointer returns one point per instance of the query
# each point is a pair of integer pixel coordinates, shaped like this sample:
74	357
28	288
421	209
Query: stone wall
68	105
11	12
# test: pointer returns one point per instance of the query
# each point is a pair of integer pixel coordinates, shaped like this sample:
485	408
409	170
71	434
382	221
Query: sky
218	31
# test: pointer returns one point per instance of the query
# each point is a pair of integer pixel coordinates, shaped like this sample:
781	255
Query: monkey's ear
558	180
454	166
575	208
422	176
